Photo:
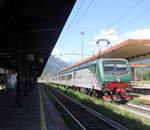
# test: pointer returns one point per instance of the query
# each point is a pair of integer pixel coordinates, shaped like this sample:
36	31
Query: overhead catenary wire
82	3
79	20
118	19
133	19
126	13
73	19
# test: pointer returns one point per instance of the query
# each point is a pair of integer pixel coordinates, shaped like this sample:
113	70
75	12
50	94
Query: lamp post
82	34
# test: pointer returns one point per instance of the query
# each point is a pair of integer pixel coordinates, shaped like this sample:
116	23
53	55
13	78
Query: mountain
145	61
54	64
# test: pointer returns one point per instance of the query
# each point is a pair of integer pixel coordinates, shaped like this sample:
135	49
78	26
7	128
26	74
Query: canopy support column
19	103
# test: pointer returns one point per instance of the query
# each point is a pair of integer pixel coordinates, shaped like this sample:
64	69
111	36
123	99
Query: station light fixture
30	57
41	59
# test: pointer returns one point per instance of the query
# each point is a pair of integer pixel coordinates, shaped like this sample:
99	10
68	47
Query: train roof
87	64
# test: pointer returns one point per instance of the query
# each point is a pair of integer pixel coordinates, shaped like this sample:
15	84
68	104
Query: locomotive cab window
93	69
122	67
117	66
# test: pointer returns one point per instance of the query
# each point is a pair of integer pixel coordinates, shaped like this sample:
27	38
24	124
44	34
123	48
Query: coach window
69	77
63	77
93	69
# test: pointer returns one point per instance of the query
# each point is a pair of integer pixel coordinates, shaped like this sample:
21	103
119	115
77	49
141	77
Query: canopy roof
31	27
140	65
132	50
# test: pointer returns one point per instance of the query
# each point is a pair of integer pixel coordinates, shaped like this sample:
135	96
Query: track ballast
87	118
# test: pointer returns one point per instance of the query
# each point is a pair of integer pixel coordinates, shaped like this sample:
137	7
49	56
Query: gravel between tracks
115	125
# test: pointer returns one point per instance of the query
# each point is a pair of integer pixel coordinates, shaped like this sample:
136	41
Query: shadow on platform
29	116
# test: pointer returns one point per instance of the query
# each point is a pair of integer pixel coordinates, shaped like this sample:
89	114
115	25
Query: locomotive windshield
116	66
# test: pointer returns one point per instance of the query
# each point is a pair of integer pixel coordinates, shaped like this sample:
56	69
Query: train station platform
37	113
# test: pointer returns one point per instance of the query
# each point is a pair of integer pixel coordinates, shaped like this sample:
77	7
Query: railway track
141	90
137	109
141	107
85	117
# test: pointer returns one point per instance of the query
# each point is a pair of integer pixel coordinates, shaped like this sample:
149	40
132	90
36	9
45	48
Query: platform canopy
140	65
132	50
29	29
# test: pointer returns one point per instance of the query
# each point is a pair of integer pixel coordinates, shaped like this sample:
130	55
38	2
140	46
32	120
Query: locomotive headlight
118	80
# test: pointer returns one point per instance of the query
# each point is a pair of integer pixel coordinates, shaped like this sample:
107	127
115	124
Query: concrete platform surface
30	117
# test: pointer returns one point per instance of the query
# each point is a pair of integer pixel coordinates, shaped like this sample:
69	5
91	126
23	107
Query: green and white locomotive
105	77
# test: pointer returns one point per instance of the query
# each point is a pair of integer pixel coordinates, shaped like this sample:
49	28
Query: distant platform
142	86
142	97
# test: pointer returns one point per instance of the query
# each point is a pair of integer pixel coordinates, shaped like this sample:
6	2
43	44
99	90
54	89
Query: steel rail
113	124
139	106
68	112
136	109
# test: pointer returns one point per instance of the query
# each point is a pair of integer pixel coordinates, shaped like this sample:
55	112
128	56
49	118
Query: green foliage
110	110
144	73
136	101
143	82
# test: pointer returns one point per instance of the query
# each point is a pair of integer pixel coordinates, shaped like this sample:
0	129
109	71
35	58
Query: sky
91	20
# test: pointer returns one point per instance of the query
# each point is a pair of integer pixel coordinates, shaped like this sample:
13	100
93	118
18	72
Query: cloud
55	51
110	34
139	34
92	43
115	37
65	59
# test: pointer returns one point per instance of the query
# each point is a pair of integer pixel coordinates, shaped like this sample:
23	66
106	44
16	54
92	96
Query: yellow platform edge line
42	113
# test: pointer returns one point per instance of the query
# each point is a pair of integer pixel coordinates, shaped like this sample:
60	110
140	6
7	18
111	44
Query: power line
118	19
69	26
133	19
80	18
76	13
126	13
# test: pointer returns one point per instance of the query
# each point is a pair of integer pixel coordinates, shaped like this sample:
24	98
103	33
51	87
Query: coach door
94	81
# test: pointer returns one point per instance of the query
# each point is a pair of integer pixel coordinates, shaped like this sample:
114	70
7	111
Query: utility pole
82	34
